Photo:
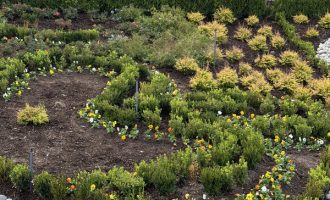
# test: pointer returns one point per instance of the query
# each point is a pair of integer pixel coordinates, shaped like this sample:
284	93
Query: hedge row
242	8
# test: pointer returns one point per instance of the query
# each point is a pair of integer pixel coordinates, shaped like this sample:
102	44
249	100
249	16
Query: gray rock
3	197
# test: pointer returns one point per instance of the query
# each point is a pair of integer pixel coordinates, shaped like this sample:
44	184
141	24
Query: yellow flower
112	196
16	82
277	139
234	115
19	93
51	72
329	135
157	128
252	115
249	196
123	137
186	196
114	123
93	187
282	153
242	112
272	179
268	175
283	142
280	176
292	168
104	124
275	156
200	141
150	126
246	124
210	146
228	120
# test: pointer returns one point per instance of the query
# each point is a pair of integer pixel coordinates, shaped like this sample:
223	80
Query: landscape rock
323	51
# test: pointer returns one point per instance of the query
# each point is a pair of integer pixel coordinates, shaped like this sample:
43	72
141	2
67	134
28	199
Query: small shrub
253	147
186	65
196	17
32	115
256	83
203	80
288	107
288	57
152	117
234	54
20	176
221	31
277	41
129	13
59	188
227	77
252	20
210	55
258	43
240	172
312	33
265	30
42	185
63	23
274	74
242	33
244	68
325	21
268	105
224	15
266	61
321	87
300	19
217	179
302	71
6	166
287	83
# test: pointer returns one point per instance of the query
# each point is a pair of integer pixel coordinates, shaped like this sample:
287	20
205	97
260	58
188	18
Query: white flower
91	120
264	189
291	136
299	139
219	112
94	69
118	129
304	140
96	111
126	127
320	142
204	196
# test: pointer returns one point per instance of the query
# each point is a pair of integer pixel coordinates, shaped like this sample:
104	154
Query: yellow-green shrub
287	83
186	65
221	31
32	115
288	57
256	83
234	54
312	32
258	43
321	87
203	80
325	21
277	41
243	33
302	93
265	61
227	77
302	71
274	74
265	30
244	68
224	15
210	55
300	19
252	20
195	17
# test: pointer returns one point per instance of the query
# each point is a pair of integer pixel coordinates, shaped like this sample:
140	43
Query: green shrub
224	15
210	27
240	172
39	61
152	117
129	13
42	185
244	68
20	176
126	183
266	61
258	43
59	188
225	151
203	80
302	71
187	66
32	115
252	20
325	21
177	124
268	105
6	166
217	179
234	54
164	180
288	107
300	19
196	17
253	147
265	30
148	102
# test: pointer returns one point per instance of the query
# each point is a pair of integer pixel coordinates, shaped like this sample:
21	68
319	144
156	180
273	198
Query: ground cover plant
163	103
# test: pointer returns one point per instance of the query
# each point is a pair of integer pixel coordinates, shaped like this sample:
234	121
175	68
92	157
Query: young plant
196	17
32	115
266	61
20	176
187	66
300	19
252	20
288	57
325	21
302	71
211	27
203	80
243	33
244	68
266	30
312	33
234	54
258	43
224	15
42	185
277	41
227	77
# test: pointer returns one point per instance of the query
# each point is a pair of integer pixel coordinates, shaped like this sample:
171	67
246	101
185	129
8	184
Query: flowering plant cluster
270	184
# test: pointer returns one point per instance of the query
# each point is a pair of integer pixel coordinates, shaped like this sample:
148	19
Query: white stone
323	51
3	197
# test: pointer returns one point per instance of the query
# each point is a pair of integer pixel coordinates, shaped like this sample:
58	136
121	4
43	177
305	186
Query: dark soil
67	144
